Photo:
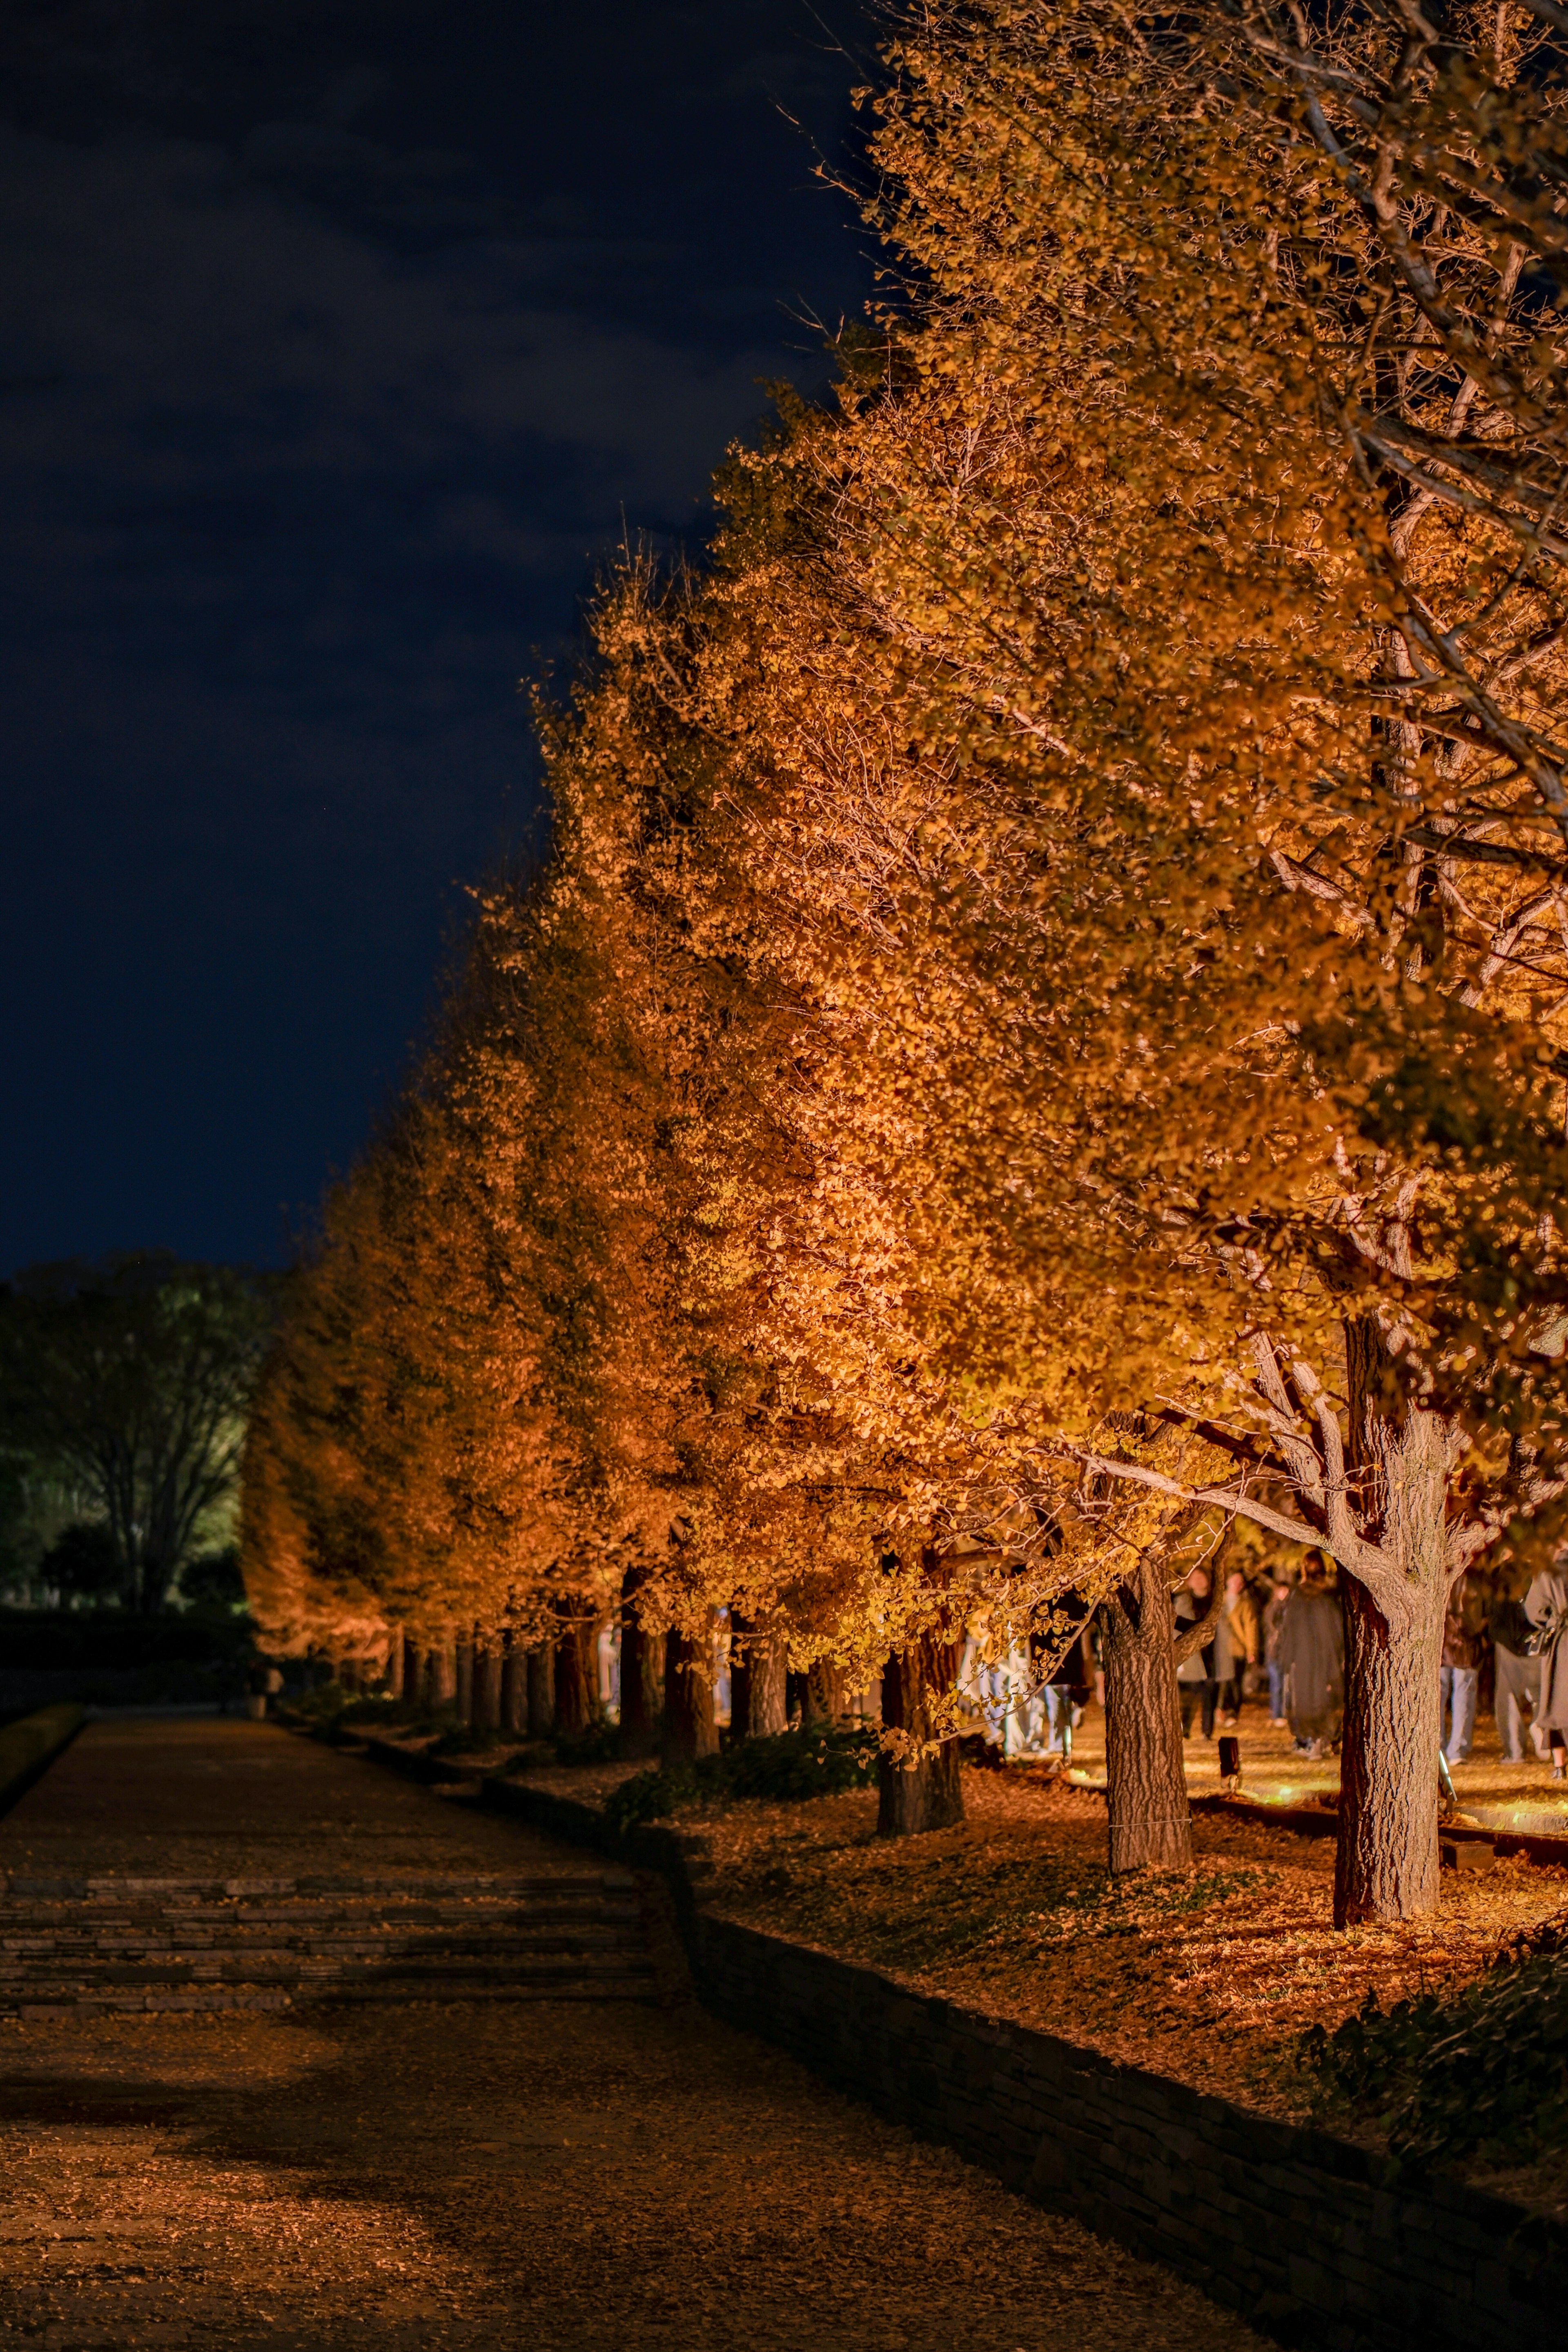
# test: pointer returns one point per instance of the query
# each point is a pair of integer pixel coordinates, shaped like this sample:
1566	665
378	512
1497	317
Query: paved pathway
571	2178
213	1796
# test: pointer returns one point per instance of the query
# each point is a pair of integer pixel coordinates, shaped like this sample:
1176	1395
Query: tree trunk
1146	1778
926	1795
487	1687
442	1678
540	1678
641	1694
513	1697
1386	1865
574	1676
796	1699
757	1680
412	1669
768	1714
463	1696
824	1692
690	1730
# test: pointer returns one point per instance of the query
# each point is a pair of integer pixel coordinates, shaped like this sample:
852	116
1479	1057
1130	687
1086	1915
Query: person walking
1546	1606
1071	1678
1236	1644
1517	1672
1311	1653
1198	1687
1273	1618
1458	1676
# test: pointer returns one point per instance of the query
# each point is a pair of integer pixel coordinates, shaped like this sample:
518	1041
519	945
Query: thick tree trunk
796	1699
1146	1778
1387	1866
690	1730
487	1687
514	1701
925	1794
540	1683
574	1676
642	1677
463	1696
413	1669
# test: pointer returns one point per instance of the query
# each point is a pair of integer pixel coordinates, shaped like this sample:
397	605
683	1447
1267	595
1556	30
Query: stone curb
29	1747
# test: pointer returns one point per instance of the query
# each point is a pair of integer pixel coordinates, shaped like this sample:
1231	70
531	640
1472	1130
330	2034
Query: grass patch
789	1768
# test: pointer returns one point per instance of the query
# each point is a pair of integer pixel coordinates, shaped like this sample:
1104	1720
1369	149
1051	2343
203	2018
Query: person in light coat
1236	1644
1546	1606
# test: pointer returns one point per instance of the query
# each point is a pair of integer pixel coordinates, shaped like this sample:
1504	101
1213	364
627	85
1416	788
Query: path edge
30	1745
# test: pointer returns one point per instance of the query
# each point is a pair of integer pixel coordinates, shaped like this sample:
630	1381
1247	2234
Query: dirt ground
1209	1977
565	2178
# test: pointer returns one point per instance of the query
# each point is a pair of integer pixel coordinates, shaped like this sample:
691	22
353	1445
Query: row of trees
1040	1033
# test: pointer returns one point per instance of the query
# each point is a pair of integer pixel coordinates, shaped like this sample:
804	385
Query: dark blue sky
337	339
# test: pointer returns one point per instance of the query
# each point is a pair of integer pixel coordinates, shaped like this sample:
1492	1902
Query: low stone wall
1316	2241
1313	2240
1310	2239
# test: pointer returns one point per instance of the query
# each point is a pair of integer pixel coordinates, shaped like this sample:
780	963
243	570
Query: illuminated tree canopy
1041	1030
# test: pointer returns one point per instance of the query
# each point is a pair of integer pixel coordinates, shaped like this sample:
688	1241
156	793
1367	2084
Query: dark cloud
340	340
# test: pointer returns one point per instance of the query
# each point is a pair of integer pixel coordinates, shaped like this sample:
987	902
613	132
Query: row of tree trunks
493	1685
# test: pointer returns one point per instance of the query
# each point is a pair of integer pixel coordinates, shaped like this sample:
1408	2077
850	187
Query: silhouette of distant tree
129	1377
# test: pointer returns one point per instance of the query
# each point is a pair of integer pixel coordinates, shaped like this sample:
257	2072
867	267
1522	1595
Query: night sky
338	340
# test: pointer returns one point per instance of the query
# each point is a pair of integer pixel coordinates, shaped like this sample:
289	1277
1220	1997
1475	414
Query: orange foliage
1055	927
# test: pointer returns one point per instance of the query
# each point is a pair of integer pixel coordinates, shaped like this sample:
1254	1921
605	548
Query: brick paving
566	2176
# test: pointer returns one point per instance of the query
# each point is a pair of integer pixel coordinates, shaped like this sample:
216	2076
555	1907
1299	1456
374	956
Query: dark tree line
125	1384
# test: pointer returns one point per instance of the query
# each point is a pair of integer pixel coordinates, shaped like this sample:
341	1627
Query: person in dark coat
1273	1618
1311	1654
1517	1693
